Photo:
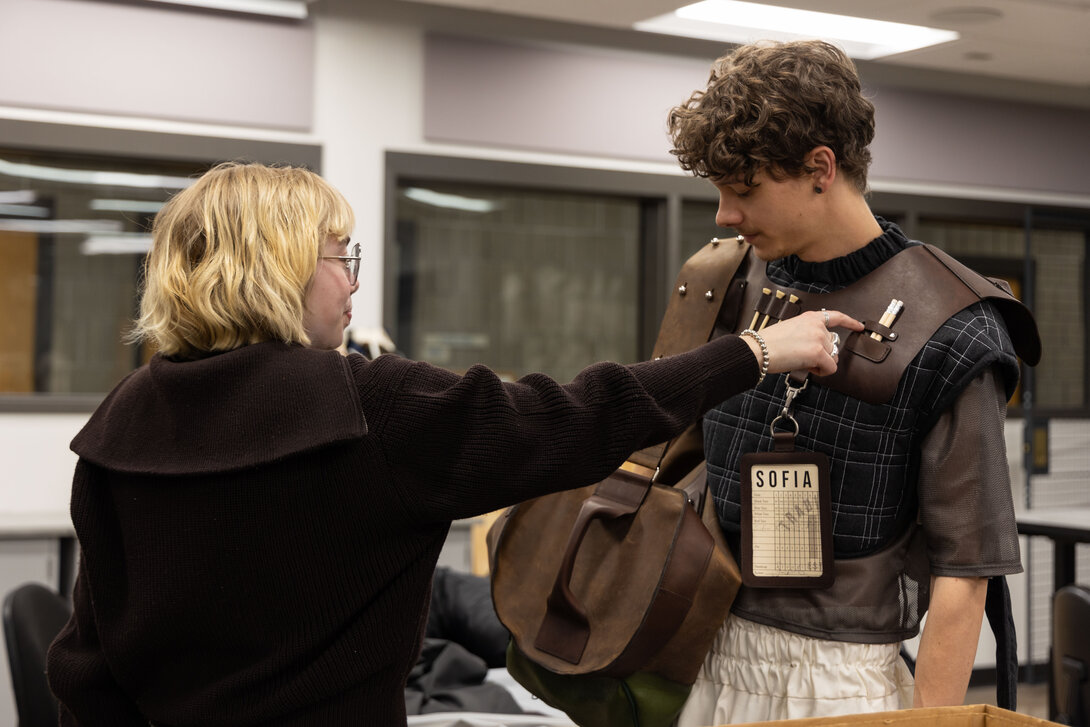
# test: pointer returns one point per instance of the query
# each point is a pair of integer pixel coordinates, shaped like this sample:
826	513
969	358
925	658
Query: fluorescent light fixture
135	243
19	196
23	210
449	201
126	205
742	22
280	8
61	227
90	176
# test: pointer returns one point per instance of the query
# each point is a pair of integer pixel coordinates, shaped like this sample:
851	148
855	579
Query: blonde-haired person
229	270
260	516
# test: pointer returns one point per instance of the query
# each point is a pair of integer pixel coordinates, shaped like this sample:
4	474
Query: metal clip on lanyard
789	399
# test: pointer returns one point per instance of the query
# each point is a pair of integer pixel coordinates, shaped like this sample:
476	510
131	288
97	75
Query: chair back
1071	655
33	615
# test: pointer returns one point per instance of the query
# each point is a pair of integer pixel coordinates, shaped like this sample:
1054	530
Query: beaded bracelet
765	358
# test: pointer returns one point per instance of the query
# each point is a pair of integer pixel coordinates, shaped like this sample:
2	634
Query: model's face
328	303
772	215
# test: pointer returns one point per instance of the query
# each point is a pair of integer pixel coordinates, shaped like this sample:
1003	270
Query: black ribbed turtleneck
845	270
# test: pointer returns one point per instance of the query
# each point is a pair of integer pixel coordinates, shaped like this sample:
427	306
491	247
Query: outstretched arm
475	443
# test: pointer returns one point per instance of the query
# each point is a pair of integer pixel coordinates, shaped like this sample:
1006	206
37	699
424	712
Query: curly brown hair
767	106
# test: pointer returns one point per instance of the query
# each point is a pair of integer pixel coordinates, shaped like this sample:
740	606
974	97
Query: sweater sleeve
471	444
79	675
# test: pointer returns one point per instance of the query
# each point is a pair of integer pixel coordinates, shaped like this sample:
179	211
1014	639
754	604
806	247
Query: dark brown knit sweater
259	528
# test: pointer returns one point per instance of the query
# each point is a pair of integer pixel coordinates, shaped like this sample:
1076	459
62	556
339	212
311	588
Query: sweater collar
847	269
241	408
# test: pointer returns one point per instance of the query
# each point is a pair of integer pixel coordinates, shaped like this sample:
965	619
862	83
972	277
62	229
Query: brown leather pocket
863	345
782	309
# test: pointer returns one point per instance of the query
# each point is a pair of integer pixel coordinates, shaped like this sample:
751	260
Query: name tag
786	520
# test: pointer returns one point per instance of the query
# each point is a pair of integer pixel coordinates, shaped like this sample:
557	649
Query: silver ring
836	339
826	314
836	350
788	417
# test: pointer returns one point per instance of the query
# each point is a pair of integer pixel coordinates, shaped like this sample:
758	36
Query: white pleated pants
757	673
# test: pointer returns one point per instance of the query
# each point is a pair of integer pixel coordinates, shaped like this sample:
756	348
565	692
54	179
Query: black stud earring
819	190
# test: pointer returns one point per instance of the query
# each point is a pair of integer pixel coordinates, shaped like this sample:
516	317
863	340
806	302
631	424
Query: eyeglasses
351	262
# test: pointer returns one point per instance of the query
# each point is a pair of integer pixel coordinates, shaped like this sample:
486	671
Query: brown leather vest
720	290
721	287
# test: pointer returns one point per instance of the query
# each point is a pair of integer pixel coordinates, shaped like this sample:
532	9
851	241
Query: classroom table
1066	527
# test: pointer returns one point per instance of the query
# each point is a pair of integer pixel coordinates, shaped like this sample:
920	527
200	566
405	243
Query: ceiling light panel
742	22
278	8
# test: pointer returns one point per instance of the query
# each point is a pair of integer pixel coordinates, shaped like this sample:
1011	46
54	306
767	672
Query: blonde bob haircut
232	257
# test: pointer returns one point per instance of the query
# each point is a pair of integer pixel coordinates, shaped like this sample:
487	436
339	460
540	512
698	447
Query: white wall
368	99
155	61
612	103
36	466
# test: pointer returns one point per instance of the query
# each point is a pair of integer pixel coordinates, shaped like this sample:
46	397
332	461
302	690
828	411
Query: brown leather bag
604	578
614	592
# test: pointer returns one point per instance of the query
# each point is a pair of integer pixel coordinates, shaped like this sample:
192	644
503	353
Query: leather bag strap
997	607
565	629
692	551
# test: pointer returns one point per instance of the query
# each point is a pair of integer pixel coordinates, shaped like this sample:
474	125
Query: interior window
73	234
520	280
1058	267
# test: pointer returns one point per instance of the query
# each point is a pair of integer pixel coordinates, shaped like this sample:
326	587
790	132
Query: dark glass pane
1059	263
519	280
73	233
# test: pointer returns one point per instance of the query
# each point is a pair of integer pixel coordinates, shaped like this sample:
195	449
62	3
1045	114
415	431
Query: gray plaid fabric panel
873	449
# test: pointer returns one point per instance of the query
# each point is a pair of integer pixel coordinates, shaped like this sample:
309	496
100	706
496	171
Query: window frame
58	138
659	198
